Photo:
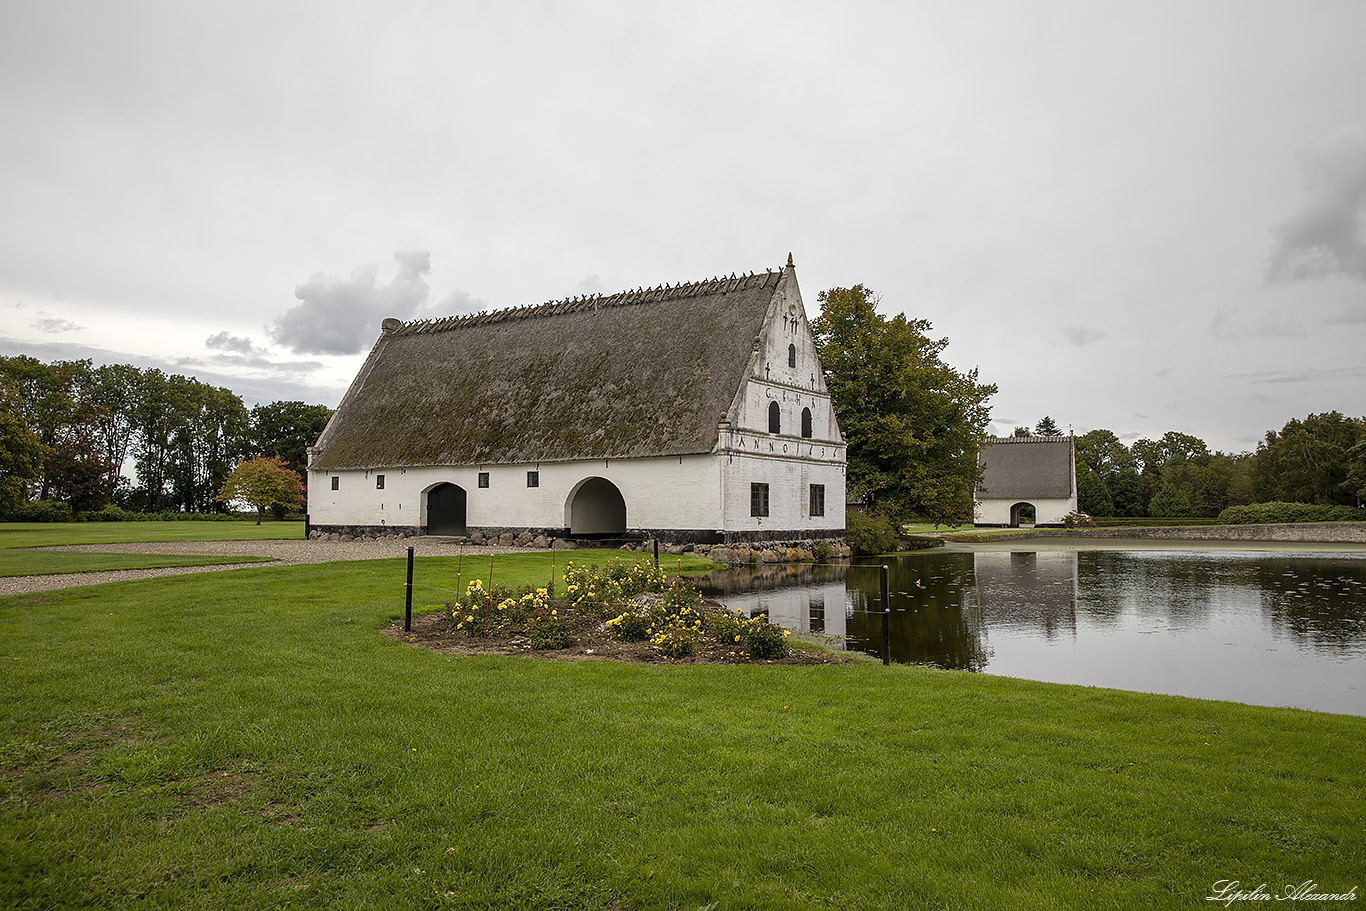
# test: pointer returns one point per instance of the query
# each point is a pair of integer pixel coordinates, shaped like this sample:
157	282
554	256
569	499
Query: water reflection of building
800	596
1028	590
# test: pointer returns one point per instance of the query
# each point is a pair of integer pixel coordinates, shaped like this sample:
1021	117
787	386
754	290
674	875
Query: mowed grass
14	536
251	740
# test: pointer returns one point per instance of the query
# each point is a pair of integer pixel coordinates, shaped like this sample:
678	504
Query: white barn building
696	412
1026	471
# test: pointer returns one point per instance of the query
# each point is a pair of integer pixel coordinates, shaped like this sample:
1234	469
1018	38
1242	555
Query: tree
1047	427
1309	461
21	452
265	483
1116	467
913	424
287	429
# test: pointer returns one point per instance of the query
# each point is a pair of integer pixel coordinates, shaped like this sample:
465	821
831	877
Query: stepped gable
628	375
1026	467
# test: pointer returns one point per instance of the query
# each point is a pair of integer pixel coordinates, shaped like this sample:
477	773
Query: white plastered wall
677	492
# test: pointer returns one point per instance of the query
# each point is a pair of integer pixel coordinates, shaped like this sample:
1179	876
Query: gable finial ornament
789	259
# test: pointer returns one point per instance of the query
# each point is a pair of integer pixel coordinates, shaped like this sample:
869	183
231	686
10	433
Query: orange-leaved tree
265	482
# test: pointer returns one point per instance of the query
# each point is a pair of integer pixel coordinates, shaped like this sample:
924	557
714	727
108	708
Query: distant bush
107	514
870	534
1078	520
41	511
1277	513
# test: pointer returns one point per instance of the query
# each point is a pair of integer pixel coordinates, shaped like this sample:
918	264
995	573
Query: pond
1264	628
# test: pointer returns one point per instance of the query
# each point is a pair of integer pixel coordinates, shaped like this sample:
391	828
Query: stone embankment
776	552
1303	533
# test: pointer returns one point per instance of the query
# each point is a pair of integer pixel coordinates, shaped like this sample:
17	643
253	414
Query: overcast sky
1143	216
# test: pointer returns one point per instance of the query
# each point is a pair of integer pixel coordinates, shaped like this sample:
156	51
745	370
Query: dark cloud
342	315
1326	237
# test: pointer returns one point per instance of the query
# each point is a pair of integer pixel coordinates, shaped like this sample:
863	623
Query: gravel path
285	553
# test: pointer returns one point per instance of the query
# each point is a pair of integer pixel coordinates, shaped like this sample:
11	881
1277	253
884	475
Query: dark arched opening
775	418
446	510
806	422
597	507
1022	514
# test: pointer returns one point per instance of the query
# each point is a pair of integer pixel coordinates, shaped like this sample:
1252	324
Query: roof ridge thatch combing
635	374
658	294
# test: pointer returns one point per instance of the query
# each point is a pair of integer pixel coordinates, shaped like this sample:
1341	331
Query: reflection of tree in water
933	619
1321	601
1318	601
763	577
1028	590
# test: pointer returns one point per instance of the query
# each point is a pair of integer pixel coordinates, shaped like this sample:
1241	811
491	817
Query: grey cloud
1326	237
54	325
1301	376
1081	336
342	315
222	341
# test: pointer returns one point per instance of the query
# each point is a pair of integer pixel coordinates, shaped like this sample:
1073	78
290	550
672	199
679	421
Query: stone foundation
770	547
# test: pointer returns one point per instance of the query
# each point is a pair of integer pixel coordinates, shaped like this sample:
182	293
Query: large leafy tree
1116	468
913	423
264	482
1309	461
21	451
287	429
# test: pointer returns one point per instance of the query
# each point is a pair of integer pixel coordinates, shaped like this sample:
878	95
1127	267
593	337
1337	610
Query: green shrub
42	511
548	630
1277	513
765	641
871	534
107	514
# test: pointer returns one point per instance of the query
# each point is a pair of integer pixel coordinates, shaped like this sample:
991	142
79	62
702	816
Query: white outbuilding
696	412
1026	471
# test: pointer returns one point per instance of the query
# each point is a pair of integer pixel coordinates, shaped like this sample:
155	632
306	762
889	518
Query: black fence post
656	553
408	597
886	620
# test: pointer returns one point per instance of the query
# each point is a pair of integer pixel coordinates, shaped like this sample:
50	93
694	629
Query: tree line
1319	459
95	436
914	426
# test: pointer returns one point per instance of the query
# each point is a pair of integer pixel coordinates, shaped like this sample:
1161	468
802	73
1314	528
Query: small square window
758	499
379	482
336	482
533	479
483	479
817	499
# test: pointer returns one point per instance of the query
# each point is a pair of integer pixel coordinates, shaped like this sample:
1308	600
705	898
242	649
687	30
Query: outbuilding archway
596	507
1022	514
446	510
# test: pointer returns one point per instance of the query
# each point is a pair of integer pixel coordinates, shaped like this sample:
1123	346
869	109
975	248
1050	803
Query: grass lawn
250	740
14	561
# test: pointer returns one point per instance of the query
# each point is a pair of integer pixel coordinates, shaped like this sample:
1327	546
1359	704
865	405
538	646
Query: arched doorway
1022	514
596	507
446	510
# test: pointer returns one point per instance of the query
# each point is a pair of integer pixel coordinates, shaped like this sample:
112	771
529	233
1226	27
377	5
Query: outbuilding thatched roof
1019	468
640	373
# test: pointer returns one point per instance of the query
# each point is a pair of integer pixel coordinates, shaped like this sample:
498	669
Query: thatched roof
640	373
1026	467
